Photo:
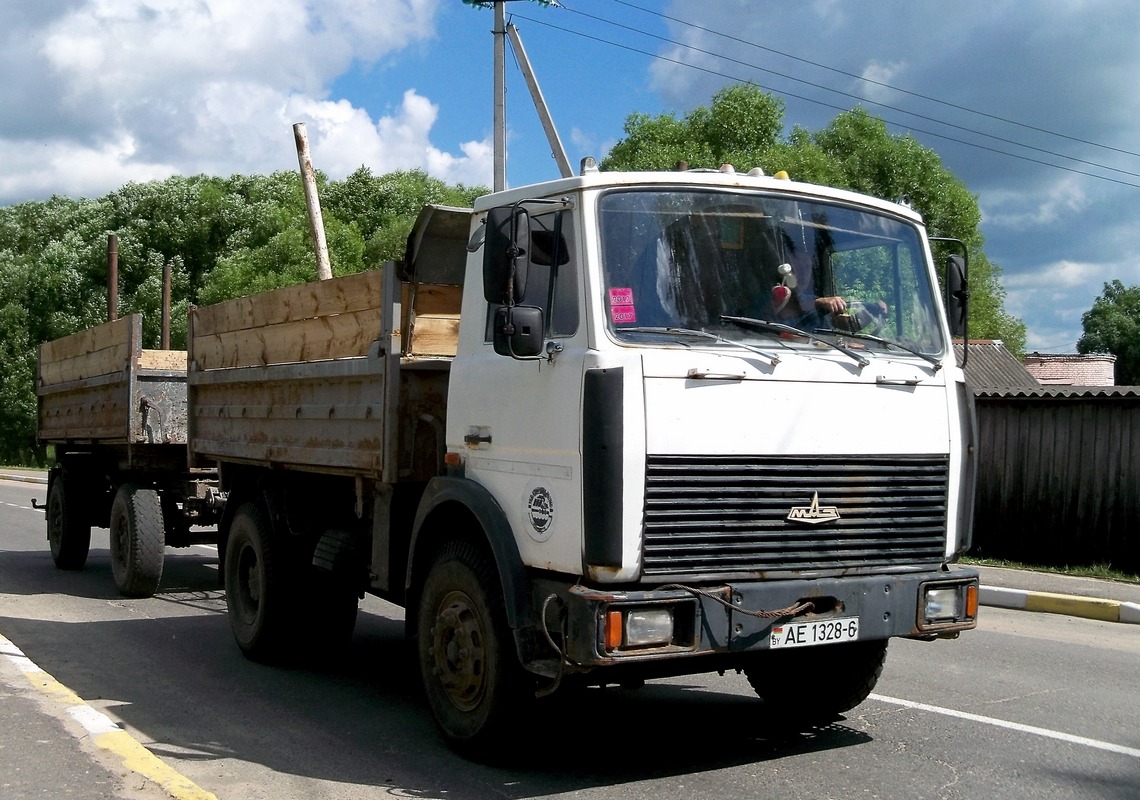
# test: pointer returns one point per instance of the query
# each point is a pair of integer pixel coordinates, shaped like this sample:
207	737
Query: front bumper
734	619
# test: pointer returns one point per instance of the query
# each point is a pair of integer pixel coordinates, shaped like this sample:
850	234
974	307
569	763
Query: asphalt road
1027	706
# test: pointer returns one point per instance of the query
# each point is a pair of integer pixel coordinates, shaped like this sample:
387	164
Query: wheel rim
458	651
248	585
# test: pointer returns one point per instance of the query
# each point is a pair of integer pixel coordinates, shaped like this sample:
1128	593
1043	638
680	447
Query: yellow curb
1074	605
134	756
140	760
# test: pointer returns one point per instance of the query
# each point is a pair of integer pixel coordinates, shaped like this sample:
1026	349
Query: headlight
639	627
943	604
948	606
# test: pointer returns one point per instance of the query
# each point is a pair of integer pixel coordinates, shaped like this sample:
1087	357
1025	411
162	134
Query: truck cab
720	422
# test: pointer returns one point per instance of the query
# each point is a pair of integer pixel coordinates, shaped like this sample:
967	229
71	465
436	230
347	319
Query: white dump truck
610	428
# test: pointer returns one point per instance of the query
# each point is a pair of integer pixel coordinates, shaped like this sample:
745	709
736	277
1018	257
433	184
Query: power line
849	94
873	82
836	91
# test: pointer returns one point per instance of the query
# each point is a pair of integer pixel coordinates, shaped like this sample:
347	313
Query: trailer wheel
813	684
255	586
68	532
471	675
138	540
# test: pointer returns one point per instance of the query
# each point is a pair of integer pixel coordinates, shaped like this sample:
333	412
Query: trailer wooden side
100	386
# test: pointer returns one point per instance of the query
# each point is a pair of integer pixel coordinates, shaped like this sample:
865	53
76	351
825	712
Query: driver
796	302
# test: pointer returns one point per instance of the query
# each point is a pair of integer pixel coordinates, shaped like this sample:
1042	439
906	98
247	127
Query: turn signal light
972	601
613	630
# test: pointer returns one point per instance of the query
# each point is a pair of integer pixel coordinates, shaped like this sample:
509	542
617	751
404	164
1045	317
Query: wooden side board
432	319
99	385
336	318
102	350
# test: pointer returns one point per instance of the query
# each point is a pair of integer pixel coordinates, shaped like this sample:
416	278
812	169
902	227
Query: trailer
115	414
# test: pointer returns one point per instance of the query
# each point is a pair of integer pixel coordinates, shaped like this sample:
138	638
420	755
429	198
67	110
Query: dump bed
99	386
313	377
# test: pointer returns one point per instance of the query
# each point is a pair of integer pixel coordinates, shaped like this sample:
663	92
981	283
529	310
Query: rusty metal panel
325	415
92	410
158	408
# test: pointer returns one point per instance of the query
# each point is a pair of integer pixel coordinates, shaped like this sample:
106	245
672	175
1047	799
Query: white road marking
22	508
94	722
1084	741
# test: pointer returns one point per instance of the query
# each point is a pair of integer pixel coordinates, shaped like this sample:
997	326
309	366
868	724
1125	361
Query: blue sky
1033	106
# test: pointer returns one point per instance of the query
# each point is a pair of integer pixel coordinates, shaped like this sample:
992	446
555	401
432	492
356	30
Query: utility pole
500	143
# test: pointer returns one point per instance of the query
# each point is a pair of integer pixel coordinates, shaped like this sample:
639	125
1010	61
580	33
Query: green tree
220	237
1112	325
855	151
384	207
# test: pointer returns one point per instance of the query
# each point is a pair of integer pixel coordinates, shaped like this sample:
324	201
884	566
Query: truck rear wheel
471	675
68	532
255	586
813	684
138	540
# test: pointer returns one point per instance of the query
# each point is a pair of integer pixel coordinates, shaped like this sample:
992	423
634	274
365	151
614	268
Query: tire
256	586
470	671
138	540
68	532
815	684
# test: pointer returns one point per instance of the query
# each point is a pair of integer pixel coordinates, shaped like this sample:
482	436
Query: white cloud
37	170
1060	275
878	75
1034	207
133	90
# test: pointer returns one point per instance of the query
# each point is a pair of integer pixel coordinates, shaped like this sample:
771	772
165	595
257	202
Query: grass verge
1099	571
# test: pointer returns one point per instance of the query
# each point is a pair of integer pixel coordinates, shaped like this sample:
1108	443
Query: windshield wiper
780	327
670	331
870	337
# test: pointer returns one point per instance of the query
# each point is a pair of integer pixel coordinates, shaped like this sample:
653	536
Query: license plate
805	634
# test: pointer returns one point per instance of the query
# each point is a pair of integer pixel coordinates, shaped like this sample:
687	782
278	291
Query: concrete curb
103	731
7	476
1070	604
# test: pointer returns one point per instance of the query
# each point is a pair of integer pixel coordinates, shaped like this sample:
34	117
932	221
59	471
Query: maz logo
813	514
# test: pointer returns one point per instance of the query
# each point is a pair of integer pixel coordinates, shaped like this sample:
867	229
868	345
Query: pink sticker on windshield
622	311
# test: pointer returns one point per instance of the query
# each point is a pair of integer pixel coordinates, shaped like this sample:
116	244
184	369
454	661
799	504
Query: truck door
514	407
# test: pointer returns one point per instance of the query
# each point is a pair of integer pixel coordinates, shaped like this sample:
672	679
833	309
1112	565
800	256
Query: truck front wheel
138	540
813	684
255	586
471	675
68	532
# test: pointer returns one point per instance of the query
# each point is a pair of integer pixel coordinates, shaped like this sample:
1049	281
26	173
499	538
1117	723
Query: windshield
716	261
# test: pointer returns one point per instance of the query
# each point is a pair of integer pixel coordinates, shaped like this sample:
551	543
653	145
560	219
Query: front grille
725	517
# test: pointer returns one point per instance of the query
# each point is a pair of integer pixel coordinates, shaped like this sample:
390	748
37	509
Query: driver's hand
831	305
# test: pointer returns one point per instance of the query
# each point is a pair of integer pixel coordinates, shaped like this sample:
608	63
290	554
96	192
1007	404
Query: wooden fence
1059	477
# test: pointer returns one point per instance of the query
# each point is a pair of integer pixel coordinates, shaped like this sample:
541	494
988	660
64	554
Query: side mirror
505	255
519	331
957	295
